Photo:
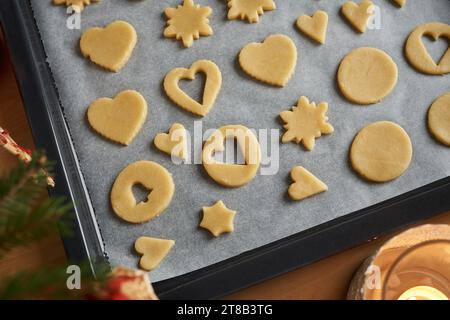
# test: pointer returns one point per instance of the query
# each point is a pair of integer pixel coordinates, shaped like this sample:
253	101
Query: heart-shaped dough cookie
174	142
109	47
153	251
272	61
210	93
417	52
358	14
305	184
118	119
314	27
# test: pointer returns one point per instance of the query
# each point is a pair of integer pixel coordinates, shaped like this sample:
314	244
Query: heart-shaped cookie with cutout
174	142
211	91
118	119
153	251
272	61
417	53
358	14
314	27
109	47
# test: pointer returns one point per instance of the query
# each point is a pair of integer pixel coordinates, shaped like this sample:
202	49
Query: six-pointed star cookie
218	219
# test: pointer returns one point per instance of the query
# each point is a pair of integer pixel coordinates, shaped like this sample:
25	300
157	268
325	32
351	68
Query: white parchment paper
264	212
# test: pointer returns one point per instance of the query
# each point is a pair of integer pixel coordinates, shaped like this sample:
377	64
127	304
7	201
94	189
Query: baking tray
50	130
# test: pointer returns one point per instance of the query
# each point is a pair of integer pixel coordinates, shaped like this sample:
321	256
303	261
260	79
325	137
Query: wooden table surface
326	279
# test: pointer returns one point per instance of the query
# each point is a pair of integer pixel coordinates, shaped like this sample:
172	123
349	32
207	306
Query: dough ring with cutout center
232	175
417	53
367	75
381	152
152	176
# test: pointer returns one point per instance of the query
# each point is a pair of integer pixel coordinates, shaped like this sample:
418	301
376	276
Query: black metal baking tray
51	133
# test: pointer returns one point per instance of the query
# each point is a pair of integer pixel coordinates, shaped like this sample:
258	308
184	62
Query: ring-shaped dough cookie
439	119
232	175
367	75
152	176
381	152
417	53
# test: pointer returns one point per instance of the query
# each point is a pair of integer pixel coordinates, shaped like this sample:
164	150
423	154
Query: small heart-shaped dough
305	184
118	119
314	27
210	93
272	61
174	142
358	14
109	47
153	251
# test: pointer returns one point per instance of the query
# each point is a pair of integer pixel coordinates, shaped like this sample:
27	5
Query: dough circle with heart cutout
152	176
232	175
417	53
381	152
367	75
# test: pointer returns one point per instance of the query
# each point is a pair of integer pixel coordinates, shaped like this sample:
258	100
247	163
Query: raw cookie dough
232	175
367	75
381	152
314	27
152	176
153	251
118	119
272	61
358	14
174	142
212	86
439	119
78	3
306	122
249	9
417	53
400	3
218	219
109	47
188	22
305	184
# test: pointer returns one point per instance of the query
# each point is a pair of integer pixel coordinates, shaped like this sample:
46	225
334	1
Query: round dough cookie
152	176
232	175
381	152
367	75
417	53
439	119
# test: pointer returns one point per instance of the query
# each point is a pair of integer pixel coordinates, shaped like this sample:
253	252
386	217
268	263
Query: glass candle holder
415	265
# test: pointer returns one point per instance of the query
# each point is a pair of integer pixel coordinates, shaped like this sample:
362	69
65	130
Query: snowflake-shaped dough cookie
249	9
78	3
306	122
188	22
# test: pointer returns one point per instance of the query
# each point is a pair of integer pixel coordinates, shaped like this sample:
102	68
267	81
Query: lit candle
423	293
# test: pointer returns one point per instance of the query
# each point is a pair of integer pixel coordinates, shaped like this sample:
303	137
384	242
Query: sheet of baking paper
265	213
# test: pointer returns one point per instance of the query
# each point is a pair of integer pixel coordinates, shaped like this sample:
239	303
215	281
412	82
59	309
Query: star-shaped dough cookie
306	122
188	22
218	219
79	3
249	9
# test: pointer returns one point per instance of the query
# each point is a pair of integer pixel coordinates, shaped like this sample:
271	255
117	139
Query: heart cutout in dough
153	251
118	119
174	142
211	91
314	27
272	61
109	47
358	14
